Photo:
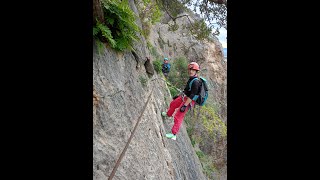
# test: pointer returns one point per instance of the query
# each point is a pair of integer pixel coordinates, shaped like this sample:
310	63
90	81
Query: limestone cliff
122	83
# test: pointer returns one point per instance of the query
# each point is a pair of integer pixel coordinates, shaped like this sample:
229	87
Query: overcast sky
222	37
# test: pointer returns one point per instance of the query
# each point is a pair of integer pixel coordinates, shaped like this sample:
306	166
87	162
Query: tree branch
174	18
219	1
180	17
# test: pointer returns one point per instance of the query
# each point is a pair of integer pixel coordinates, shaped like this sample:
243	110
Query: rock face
209	55
121	95
122	83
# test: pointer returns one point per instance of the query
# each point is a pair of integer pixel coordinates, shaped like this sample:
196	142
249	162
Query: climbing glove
183	108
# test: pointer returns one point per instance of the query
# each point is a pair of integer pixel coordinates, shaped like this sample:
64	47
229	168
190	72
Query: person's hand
183	108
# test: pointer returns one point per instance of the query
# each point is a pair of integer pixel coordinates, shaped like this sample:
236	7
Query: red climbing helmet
194	66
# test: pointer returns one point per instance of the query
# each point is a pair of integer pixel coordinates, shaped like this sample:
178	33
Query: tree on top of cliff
214	12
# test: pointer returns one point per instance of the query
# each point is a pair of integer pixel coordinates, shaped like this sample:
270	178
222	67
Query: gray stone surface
122	83
121	98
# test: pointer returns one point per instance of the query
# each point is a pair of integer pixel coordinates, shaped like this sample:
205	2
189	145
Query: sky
222	37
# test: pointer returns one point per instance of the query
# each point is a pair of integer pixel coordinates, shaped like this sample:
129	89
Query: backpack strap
191	83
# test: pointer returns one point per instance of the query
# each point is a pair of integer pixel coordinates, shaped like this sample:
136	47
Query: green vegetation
200	154
173	26
214	12
157	65
209	121
119	28
207	164
149	13
178	75
200	30
209	126
143	81
161	41
173	91
154	52
212	123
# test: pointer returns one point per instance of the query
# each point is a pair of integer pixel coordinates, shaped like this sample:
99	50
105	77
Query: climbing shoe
164	114
171	136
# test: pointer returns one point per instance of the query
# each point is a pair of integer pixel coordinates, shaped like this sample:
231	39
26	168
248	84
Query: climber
184	101
166	67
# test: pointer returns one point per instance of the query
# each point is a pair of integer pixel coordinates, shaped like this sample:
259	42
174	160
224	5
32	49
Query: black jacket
166	68
194	88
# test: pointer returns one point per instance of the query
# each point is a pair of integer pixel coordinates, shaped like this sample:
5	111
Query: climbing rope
168	83
125	148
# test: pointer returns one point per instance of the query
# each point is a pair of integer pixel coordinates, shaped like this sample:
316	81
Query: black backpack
202	95
166	67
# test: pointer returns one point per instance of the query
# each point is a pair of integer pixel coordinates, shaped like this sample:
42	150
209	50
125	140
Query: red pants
179	116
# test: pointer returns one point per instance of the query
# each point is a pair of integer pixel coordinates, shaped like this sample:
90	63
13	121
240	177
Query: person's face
192	72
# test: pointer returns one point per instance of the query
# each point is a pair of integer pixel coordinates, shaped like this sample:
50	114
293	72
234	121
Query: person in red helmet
184	101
